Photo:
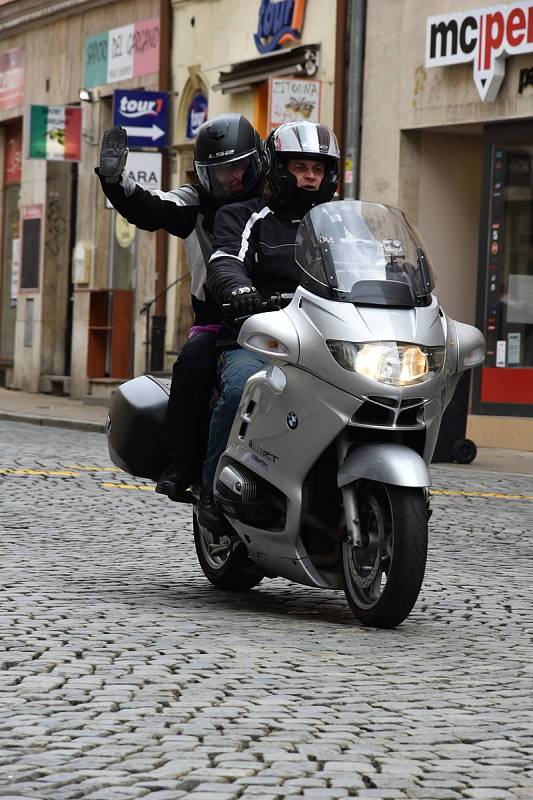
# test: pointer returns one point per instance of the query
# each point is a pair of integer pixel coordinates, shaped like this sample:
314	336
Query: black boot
174	481
210	515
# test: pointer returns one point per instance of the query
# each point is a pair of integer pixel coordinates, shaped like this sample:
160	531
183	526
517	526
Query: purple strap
204	329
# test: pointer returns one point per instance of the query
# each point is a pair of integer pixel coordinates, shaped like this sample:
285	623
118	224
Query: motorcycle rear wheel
224	563
382	578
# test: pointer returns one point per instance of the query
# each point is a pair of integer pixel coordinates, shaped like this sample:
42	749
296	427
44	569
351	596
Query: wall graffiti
56	225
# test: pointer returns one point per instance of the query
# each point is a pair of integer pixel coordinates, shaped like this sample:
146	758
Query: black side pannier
136	426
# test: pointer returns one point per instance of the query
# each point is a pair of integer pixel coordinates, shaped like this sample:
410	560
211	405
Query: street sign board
144	115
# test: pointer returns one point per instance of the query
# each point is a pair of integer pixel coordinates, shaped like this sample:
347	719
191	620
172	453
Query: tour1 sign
485	36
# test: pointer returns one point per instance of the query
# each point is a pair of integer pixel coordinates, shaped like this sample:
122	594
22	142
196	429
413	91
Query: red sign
11	78
34	211
13	159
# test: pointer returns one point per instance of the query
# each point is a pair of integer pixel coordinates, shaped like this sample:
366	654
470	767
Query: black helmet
301	140
227	157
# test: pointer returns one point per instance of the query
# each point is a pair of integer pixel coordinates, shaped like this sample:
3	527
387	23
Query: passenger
227	161
253	259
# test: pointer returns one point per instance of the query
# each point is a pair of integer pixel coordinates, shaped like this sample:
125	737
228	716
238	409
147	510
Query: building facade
447	135
76	279
271	61
71	285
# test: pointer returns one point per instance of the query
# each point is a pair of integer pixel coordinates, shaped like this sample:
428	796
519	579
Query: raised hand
113	154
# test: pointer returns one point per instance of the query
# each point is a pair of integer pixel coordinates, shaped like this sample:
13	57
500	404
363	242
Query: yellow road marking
62	472
128	486
93	469
497	495
70	473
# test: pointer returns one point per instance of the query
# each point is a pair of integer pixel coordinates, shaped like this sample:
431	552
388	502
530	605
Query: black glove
113	154
244	301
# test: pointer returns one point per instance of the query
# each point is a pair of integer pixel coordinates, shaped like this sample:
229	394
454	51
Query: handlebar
274	303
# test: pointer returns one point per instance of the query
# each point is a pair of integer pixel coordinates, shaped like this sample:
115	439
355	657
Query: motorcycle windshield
359	252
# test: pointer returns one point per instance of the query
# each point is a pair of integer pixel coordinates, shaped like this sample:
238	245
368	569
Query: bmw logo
292	420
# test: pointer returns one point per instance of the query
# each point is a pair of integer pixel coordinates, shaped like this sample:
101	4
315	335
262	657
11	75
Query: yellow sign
124	231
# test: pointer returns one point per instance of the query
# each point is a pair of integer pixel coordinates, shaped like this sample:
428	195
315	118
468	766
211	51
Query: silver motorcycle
325	477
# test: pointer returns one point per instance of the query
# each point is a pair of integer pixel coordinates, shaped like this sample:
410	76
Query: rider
227	161
253	258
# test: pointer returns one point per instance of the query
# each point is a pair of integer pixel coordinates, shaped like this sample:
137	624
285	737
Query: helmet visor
306	138
231	178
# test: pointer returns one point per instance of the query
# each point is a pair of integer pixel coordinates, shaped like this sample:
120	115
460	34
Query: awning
301	61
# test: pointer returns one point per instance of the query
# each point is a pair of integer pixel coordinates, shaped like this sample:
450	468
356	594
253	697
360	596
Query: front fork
349	500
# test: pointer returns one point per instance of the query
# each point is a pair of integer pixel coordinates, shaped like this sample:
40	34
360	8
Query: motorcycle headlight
395	363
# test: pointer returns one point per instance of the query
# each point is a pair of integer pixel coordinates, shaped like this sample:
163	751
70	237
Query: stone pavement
124	674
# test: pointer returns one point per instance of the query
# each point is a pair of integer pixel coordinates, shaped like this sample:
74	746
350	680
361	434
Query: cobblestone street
125	674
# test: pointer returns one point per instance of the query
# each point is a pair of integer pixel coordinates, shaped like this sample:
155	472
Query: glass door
505	296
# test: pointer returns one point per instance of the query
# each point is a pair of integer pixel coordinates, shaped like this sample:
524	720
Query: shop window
507	281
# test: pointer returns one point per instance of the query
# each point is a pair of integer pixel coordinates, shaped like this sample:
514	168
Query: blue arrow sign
144	115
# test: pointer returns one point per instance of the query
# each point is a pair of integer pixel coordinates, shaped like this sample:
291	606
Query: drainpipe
161	247
339	100
354	80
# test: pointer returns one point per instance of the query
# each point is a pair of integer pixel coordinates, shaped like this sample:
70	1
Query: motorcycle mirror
470	346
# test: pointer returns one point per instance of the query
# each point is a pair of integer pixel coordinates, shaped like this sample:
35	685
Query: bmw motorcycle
325	478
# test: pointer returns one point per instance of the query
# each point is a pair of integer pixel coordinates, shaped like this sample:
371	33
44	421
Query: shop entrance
10	243
505	286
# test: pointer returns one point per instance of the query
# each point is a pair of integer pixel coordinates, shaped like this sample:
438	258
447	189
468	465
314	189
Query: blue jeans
233	370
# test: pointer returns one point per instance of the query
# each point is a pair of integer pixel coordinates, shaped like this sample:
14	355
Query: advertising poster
293	100
11	78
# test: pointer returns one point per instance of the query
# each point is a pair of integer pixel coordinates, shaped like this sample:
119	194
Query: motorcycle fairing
323	412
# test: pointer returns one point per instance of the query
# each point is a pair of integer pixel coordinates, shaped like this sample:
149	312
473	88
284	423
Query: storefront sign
121	53
144	115
196	115
280	22
145	169
11	78
485	36
54	133
13	156
293	99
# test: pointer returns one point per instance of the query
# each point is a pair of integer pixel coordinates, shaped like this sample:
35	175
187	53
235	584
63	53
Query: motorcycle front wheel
382	577
224	561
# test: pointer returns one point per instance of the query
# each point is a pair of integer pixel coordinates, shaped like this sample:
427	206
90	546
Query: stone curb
54	422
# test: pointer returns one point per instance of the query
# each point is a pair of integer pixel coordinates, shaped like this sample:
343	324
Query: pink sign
34	211
11	78
146	47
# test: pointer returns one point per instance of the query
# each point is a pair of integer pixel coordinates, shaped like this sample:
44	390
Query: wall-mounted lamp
86	96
